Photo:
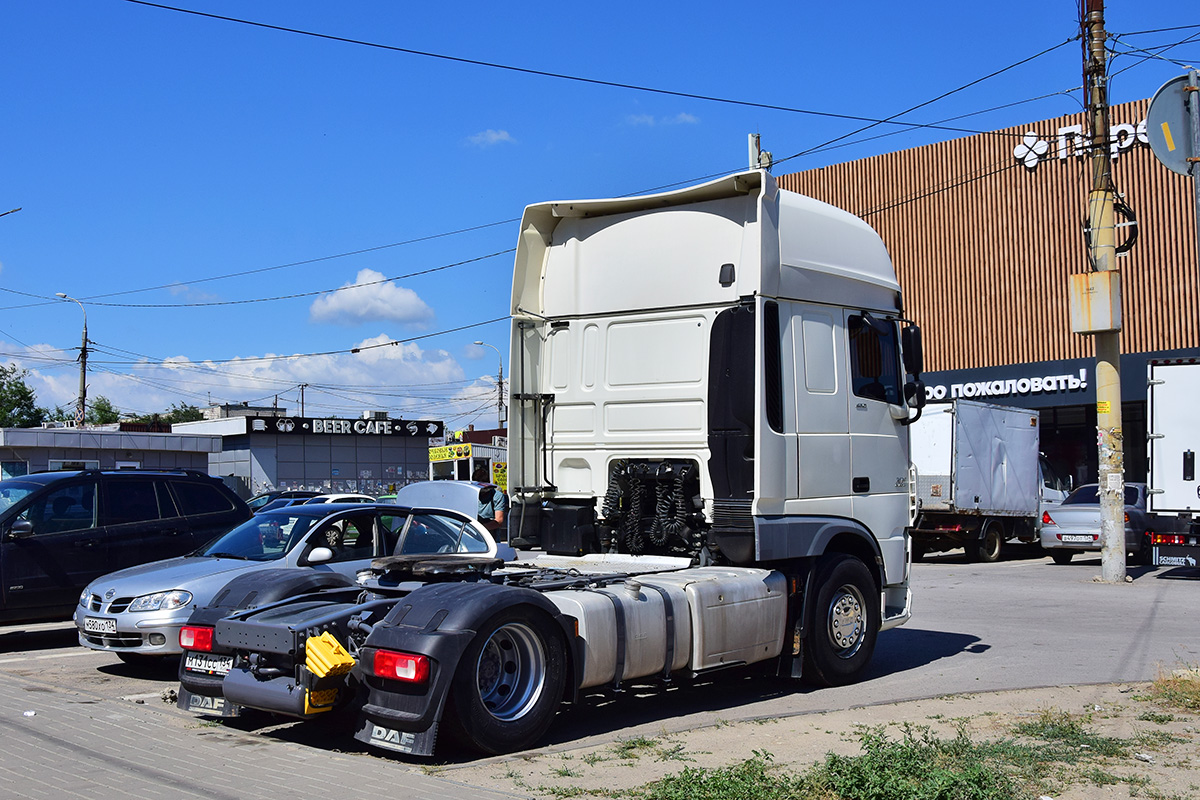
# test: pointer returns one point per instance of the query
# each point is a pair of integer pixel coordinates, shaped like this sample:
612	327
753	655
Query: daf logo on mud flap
199	702
386	737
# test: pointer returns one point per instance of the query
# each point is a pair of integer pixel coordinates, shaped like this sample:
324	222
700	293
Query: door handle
86	543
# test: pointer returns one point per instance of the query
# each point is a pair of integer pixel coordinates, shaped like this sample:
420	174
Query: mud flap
208	706
407	742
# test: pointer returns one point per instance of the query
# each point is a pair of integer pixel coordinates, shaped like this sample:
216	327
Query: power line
537	72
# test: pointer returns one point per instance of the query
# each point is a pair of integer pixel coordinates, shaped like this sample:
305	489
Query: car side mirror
20	529
319	555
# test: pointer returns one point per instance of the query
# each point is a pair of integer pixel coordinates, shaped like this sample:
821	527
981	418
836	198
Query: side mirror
20	529
914	395
319	555
914	357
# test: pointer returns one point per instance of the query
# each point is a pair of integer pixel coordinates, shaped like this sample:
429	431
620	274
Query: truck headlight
161	601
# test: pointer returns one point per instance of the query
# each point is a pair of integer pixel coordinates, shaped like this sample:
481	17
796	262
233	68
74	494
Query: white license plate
1078	537
99	625
208	663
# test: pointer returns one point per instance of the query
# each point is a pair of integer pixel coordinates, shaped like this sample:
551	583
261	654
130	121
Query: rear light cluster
196	637
1046	520
404	667
1167	538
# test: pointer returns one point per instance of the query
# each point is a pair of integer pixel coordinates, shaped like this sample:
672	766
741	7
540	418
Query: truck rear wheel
509	682
843	622
991	540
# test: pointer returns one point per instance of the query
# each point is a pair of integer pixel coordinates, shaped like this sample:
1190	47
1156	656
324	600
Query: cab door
878	441
50	548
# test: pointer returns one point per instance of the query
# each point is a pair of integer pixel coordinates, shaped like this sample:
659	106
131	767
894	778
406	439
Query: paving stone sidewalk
60	744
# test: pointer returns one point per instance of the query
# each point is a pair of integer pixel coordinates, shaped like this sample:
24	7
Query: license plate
1078	537
208	663
99	625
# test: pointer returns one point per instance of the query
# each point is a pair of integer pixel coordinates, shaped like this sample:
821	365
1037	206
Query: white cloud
370	297
490	137
650	121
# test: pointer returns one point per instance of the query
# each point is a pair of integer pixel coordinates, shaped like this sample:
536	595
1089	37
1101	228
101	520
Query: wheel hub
846	621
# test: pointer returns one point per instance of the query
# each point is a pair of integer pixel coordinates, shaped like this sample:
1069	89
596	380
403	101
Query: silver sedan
1074	526
137	612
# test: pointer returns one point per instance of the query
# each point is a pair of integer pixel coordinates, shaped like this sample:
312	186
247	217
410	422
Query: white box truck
711	393
980	478
1172	488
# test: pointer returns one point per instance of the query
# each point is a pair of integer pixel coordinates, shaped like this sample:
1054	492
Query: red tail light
401	666
1166	538
1126	517
1046	518
195	637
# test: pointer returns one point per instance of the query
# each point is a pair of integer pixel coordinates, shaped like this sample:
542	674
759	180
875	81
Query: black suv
61	530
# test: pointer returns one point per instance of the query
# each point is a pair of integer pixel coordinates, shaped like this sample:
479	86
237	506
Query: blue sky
154	152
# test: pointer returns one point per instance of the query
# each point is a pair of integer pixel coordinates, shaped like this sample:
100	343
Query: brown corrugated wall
983	245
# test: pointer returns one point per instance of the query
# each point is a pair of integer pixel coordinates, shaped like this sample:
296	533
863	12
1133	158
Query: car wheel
991	540
1061	556
509	683
843	622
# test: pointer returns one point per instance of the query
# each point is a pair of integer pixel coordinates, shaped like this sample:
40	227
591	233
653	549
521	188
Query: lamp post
79	410
499	384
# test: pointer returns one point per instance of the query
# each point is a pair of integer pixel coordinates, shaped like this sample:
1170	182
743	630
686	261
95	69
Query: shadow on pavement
21	640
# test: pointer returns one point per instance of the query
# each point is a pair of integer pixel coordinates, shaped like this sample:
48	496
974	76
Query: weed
565	772
632	748
673	753
1064	732
592	759
1158	718
1179	689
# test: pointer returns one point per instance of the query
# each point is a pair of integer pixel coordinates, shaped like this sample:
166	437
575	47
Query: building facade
373	455
984	232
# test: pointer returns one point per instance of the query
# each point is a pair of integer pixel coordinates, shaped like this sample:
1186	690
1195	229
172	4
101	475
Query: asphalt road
1021	623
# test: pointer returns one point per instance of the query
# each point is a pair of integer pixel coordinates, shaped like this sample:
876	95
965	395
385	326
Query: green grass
1046	754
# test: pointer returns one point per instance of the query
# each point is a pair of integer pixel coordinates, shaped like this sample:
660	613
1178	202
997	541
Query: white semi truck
711	397
1172	487
981	480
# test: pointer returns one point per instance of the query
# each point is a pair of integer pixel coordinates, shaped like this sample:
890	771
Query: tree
102	412
17	406
178	412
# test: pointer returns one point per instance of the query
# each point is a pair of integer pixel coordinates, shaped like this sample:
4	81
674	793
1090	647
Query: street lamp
499	384
79	411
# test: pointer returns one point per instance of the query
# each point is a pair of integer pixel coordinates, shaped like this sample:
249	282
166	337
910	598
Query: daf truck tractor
711	393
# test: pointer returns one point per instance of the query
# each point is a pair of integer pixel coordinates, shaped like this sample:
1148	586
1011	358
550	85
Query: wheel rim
847	621
991	542
511	671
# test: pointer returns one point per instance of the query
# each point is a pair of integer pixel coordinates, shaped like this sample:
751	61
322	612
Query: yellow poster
450	452
500	475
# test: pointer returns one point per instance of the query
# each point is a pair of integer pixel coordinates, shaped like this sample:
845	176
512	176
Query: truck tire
843	621
991	540
509	682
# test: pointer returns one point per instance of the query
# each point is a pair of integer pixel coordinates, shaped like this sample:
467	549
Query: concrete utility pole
1103	252
499	384
81	409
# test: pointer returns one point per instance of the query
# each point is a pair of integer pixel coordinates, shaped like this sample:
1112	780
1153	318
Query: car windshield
1090	495
266	537
14	491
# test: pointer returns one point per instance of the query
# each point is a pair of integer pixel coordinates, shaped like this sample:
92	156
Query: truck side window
874	361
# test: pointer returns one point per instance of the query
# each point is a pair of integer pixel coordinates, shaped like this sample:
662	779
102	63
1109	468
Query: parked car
341	497
60	530
259	501
437	526
1075	525
282	502
137	613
